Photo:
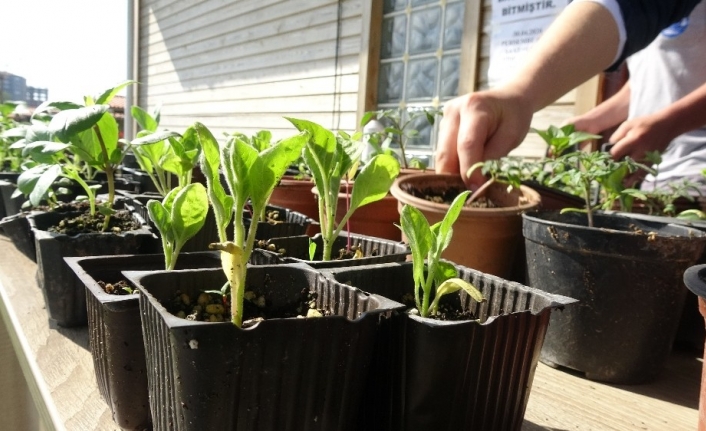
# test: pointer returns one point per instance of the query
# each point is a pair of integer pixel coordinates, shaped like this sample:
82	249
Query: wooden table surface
58	369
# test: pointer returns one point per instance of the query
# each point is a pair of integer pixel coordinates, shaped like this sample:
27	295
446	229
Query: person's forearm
687	113
581	42
611	112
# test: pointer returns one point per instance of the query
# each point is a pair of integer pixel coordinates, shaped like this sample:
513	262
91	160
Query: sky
71	47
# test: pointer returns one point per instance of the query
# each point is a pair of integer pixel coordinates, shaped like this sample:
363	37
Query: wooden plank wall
242	66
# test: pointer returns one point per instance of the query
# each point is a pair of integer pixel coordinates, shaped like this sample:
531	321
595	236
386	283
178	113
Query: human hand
636	137
584	123
480	126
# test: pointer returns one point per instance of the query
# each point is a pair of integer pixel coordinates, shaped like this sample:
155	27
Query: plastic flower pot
430	374
485	239
375	250
695	280
626	274
64	295
295	373
115	330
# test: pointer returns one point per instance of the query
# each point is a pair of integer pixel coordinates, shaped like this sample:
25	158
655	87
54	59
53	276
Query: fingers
472	136
446	156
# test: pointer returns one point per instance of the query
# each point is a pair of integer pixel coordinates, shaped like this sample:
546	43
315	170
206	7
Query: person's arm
654	132
610	113
581	42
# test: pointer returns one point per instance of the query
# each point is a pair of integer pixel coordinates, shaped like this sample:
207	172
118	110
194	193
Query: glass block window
419	61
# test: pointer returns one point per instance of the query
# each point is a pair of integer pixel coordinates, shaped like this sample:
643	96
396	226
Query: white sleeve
614	9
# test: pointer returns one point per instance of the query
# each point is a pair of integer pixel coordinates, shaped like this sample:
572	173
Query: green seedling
561	139
399	130
79	136
331	160
251	176
164	152
180	215
587	171
427	243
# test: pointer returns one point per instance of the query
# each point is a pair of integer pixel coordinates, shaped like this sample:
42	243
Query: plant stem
587	198
481	191
108	173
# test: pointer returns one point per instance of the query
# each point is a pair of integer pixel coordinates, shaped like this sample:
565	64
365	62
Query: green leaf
416	228
108	94
374	181
444	271
154	137
43	184
67	124
144	120
455	284
210	165
188	212
160	217
445	229
48	105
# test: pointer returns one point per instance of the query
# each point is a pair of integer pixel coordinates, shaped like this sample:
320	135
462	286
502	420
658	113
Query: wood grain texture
58	369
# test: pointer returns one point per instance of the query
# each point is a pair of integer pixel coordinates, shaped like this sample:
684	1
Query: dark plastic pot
8	185
115	330
376	250
292	223
293	374
17	228
444	375
695	280
554	199
626	274
64	295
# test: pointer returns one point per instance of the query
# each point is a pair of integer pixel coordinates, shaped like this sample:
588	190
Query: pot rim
534	199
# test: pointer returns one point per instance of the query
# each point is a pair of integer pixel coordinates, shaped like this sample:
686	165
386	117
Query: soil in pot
64	294
486	237
353	251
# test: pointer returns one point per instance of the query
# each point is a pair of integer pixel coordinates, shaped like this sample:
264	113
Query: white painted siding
243	65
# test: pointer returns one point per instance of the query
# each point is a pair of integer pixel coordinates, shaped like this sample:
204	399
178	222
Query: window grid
423	146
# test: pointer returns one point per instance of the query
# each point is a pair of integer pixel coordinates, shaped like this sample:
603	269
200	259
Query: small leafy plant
589	171
400	128
431	274
561	139
330	159
80	140
251	175
161	153
180	215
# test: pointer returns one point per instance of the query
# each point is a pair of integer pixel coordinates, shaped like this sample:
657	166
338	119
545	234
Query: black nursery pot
626	274
8	185
17	228
375	250
63	293
115	330
453	375
289	223
293	374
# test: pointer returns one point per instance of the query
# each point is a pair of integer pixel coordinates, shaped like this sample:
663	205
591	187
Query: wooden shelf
58	371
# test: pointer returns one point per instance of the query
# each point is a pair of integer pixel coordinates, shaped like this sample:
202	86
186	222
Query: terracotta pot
295	195
485	239
375	219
